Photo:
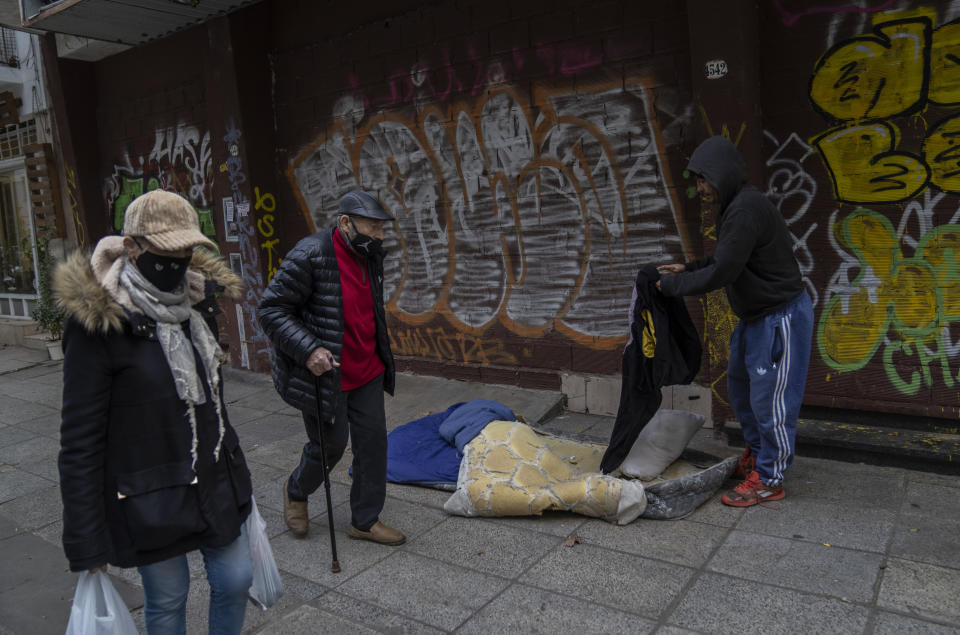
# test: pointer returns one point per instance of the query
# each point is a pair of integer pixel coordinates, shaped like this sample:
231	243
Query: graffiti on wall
251	333
869	84
900	307
894	299
452	74
530	213
180	161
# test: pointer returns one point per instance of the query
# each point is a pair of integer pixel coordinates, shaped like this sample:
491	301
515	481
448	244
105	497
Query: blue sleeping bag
428	451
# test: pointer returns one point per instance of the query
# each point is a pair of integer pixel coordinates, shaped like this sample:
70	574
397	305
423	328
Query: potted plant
46	313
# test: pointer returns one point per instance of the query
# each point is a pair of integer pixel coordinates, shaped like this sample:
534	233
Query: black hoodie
753	260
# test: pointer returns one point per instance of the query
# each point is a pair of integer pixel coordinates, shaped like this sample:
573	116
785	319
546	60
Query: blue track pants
766	376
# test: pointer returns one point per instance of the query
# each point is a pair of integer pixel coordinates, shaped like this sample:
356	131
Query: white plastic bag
98	609
267	586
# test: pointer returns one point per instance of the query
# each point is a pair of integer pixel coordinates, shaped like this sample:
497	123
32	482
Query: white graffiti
184	145
791	188
181	160
536	215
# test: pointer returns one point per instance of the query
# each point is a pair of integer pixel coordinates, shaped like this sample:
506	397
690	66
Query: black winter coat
131	496
302	309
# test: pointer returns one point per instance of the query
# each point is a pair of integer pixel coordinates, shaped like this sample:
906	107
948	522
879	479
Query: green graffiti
130	188
909	300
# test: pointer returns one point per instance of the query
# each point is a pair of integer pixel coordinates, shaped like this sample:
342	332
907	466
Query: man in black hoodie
770	346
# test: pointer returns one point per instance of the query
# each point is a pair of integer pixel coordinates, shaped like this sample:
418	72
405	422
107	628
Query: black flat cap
359	203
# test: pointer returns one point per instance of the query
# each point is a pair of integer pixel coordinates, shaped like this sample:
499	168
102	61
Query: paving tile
718	604
11	435
921	589
370	615
16	410
46	425
852	484
426	496
482	546
818	521
310	557
307	620
266	399
926	538
49	396
283	454
440	594
713	512
30	451
679	541
946	480
36	509
893	624
932	500
239	415
554	523
844	573
524	609
46	468
269	428
15	483
47	370
623	581
10	527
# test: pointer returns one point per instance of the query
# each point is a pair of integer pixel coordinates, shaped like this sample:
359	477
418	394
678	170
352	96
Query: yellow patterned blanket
510	469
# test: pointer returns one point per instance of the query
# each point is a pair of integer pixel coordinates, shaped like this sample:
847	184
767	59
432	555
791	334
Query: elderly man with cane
323	311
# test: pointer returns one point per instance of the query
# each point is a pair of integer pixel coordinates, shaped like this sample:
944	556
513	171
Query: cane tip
335	567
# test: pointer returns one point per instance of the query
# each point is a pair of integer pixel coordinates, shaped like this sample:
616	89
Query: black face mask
163	272
365	245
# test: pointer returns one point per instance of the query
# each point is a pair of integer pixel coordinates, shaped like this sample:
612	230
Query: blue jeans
766	377
166	583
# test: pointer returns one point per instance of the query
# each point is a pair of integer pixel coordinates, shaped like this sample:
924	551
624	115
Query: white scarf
169	310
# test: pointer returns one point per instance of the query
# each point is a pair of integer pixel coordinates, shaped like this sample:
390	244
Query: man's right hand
677	267
102	568
321	360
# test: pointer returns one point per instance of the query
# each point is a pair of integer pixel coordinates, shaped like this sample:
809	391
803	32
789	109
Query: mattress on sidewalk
511	469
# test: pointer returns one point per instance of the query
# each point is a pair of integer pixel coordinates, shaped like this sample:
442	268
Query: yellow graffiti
267	204
871	172
860	83
879	75
917	297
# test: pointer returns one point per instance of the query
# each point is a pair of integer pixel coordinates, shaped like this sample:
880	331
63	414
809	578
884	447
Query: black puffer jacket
131	494
302	309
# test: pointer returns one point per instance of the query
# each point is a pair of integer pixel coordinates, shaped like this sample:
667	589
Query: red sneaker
746	464
752	491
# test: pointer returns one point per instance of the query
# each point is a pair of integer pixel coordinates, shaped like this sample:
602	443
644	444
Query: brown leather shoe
379	533
295	513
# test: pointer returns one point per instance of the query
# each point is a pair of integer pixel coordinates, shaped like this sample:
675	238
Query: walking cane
335	566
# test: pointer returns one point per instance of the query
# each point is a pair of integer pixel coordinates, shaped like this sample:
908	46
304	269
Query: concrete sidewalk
852	549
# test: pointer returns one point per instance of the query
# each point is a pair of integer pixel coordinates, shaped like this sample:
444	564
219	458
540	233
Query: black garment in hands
664	349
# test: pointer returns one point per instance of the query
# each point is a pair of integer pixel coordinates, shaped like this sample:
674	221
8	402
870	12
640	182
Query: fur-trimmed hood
88	289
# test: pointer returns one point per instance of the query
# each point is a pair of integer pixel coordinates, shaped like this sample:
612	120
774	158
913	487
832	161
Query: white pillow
661	441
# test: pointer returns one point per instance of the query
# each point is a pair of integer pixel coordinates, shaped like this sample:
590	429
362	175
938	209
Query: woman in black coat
150	467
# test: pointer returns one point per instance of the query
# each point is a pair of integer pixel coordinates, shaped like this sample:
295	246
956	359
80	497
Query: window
17	270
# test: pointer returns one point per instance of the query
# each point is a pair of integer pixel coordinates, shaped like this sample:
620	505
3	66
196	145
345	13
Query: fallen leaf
826	544
571	541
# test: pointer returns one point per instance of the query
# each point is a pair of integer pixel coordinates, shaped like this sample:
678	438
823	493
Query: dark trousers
360	417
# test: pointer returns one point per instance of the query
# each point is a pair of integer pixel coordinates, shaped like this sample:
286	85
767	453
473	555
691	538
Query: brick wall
531	152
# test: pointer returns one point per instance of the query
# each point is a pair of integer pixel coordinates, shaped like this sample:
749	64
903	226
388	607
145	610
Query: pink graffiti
789	17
